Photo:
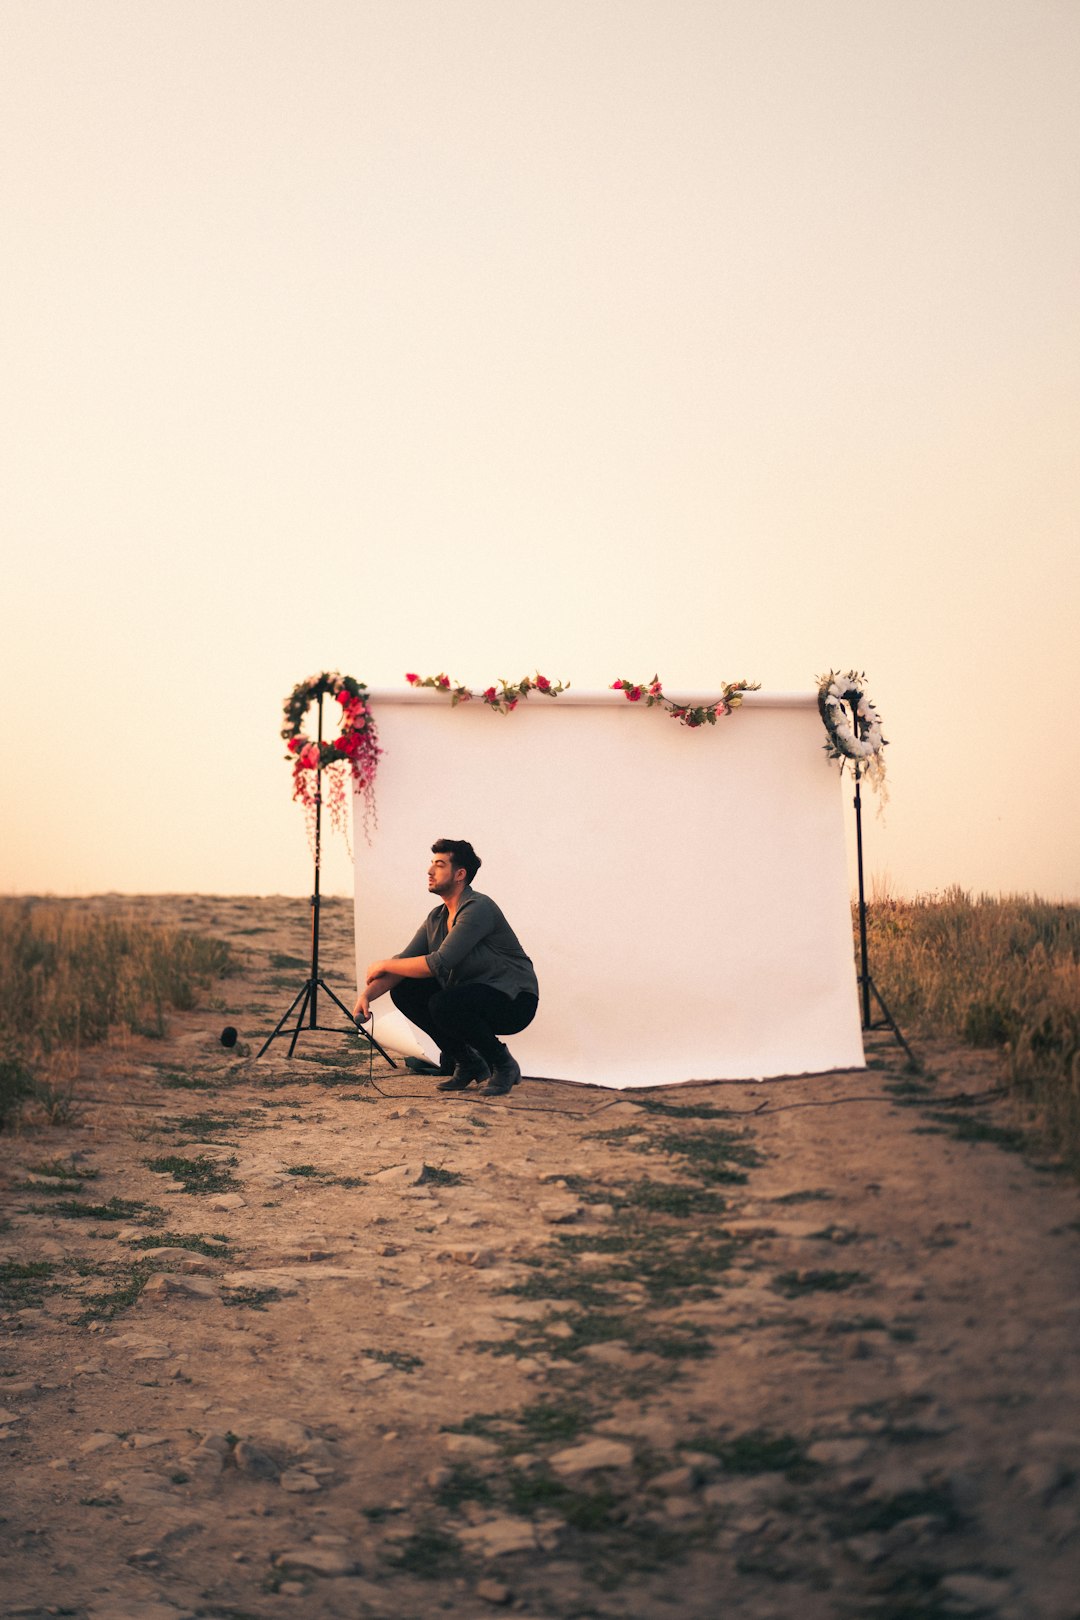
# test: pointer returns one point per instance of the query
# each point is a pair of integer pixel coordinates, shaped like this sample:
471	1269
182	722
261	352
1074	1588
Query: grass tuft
69	978
199	1175
1001	973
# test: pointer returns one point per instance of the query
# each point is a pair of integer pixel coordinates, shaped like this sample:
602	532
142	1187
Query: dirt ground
308	1337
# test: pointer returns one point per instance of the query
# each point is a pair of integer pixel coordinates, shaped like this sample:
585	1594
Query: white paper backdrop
683	894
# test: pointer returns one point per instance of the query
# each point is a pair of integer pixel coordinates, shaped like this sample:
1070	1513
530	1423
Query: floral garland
354	753
853	725
693	715
503	698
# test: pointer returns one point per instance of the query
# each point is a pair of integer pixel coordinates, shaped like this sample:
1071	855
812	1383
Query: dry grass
69	979
994	972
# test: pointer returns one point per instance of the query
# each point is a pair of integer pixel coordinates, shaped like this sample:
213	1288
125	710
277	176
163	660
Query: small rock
680	1507
838	1453
208	1458
467	1254
257	1464
896	1479
225	1201
493	1592
739	1493
469	1445
975	1591
559	1211
401	1175
10	1417
173	1259
312	1560
866	1550
909	1532
17	1389
284	1437
499	1536
1042	1477
143	1442
297	1481
675	1482
370	1372
593	1454
98	1442
166	1285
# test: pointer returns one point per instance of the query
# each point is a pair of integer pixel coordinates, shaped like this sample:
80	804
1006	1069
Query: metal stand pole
866	983
308	993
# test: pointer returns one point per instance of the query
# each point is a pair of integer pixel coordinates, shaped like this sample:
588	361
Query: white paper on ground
682	893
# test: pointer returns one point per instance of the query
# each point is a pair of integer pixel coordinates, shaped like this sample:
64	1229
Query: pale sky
608	337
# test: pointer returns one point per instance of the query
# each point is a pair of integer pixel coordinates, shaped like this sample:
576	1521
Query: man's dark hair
461	853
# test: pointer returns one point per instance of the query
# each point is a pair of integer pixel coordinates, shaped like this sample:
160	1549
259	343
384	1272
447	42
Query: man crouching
463	978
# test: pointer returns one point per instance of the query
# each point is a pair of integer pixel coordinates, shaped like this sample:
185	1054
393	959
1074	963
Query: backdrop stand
308	993
867	987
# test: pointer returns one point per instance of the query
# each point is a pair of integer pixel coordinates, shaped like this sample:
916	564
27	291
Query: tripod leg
281	1021
300	1020
893	1025
354	1025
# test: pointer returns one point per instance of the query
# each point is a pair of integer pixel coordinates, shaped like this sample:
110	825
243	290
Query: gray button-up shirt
481	947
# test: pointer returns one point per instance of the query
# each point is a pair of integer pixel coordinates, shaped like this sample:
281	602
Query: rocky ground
307	1337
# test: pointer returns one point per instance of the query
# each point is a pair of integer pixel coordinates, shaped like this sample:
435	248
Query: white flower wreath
853	724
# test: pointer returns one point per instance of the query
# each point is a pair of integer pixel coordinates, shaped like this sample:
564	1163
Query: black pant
464	1015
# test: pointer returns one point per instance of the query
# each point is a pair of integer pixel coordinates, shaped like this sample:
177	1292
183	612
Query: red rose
444	681
654	688
490	695
543	684
634	694
617	686
309	759
413	680
295	744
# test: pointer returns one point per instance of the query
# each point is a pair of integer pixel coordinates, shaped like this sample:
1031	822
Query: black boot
468	1068
504	1076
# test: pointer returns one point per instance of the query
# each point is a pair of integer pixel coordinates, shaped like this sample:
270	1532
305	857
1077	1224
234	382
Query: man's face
441	874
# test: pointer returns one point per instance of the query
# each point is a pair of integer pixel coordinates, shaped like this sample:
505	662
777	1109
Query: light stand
867	986
308	993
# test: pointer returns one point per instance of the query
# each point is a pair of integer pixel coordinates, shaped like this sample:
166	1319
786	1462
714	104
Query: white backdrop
683	894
